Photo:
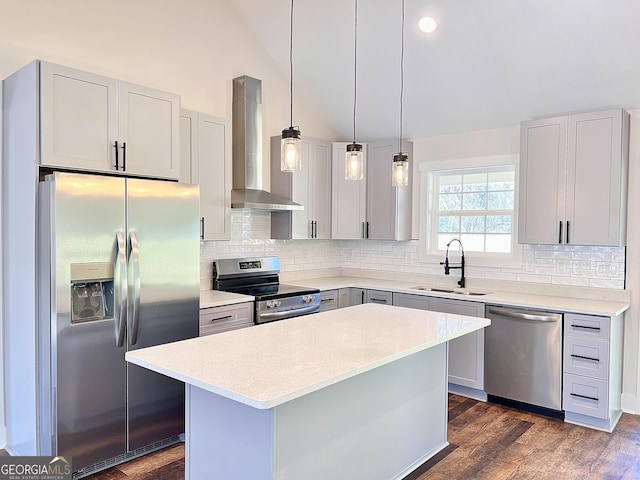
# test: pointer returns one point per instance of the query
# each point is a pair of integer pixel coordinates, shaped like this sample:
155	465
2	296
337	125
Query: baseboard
468	392
630	404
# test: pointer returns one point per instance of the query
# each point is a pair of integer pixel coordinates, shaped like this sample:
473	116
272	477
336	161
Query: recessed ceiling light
427	24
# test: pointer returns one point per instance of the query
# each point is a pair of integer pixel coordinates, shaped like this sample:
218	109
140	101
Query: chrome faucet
447	265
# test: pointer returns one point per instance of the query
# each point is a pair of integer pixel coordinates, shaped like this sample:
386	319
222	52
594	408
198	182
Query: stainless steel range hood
247	150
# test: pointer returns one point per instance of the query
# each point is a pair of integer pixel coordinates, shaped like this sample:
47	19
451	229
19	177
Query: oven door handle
288	313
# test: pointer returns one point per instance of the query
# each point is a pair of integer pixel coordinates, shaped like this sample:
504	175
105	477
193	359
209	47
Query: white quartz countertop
270	364
526	300
217	298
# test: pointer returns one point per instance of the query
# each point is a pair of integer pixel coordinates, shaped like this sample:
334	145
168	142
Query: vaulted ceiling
490	63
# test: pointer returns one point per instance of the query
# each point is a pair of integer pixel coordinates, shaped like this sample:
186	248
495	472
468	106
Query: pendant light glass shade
290	160
354	162
400	172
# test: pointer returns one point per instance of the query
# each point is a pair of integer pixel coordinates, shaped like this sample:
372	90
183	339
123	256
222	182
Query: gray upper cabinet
91	122
371	208
388	207
310	187
573	179
205	154
348	198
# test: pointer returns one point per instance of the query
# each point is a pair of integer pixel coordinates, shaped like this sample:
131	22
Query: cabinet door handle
585	358
115	144
362	296
567	231
378	300
584	396
367	230
363	230
124	156
585	327
202	228
314	229
560	232
226	317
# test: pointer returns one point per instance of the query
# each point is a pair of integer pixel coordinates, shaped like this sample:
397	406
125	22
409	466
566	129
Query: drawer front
328	300
220	319
586	356
585	395
586	326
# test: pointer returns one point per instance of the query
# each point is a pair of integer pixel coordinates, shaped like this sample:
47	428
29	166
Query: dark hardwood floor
487	441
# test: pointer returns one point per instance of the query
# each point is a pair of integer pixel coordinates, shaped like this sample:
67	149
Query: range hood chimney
247	150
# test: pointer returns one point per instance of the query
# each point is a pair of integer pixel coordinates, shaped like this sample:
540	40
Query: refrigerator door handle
121	307
135	262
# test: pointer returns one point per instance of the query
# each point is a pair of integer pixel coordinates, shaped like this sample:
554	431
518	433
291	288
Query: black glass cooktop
280	290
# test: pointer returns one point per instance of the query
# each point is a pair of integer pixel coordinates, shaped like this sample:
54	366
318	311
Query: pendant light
354	159
290	160
400	166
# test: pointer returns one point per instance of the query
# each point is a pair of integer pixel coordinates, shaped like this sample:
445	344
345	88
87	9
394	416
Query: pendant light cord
291	67
355	66
401	76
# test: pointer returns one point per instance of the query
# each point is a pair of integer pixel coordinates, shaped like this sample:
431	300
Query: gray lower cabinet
225	318
466	353
363	295
329	300
592	373
344	297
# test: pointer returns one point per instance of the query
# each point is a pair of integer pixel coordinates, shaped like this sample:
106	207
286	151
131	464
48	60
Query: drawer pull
584	396
585	327
585	358
221	318
327	300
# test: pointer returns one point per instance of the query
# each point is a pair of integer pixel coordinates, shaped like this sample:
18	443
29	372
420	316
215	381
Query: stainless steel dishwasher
523	356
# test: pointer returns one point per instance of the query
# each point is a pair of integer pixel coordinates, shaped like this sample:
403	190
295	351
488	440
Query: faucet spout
447	265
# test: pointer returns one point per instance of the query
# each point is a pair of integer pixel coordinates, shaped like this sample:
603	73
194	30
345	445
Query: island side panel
381	424
226	439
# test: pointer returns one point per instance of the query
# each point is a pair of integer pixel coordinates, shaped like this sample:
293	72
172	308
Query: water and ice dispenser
92	291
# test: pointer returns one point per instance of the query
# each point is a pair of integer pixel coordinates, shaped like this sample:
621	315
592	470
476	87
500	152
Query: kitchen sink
458	291
432	289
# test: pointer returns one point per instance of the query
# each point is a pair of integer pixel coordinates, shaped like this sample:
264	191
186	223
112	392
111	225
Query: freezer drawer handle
135	316
584	396
226	317
585	358
585	327
525	315
122	297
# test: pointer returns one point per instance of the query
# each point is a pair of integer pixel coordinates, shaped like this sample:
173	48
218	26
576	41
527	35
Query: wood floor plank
148	463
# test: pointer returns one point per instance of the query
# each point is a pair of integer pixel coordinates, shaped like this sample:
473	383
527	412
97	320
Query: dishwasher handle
525	314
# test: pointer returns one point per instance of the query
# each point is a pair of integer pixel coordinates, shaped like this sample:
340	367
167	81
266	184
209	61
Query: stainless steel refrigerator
119	269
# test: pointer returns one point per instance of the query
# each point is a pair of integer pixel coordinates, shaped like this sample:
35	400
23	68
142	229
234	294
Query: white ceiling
491	63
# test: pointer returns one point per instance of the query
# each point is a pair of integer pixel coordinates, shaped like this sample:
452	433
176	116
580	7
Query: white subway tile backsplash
598	267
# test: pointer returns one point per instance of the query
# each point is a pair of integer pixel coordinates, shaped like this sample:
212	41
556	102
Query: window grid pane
477	207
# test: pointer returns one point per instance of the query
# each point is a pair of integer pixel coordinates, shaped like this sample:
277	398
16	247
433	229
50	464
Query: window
473	200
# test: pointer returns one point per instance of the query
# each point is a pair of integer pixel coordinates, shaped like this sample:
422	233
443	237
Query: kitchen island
357	393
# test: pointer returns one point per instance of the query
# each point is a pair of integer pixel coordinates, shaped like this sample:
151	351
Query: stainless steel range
260	277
